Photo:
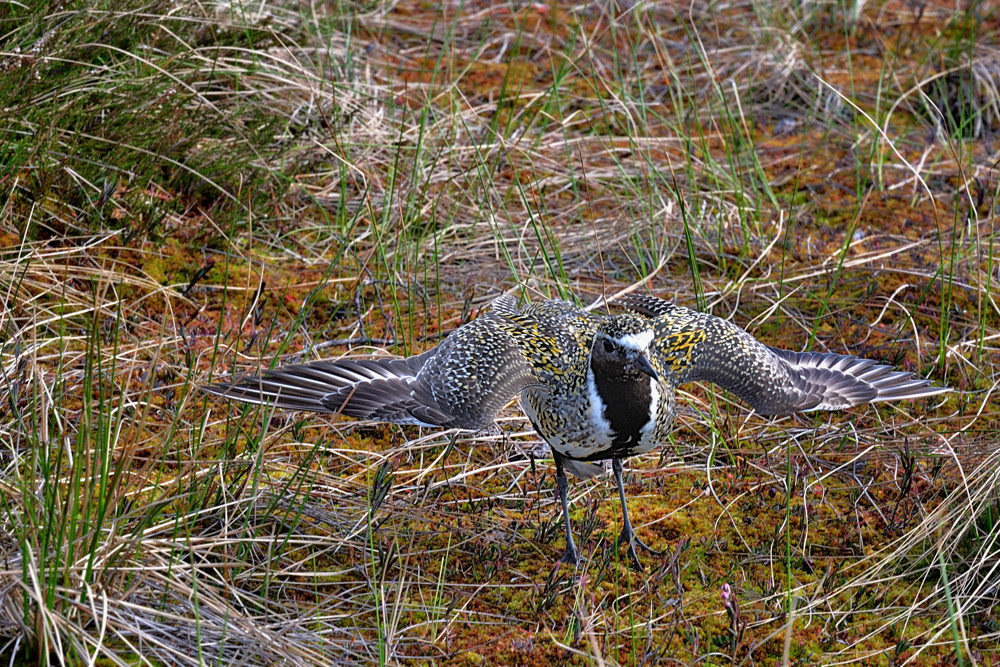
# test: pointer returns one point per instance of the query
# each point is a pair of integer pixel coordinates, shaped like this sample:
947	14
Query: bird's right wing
476	371
461	383
380	389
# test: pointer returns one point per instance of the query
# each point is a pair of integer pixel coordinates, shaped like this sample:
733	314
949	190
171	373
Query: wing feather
690	346
461	383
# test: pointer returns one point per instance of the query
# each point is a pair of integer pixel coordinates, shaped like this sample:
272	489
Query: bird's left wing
690	346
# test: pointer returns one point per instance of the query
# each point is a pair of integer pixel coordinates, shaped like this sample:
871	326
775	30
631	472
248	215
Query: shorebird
595	387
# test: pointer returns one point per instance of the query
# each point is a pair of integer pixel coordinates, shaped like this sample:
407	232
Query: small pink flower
728	596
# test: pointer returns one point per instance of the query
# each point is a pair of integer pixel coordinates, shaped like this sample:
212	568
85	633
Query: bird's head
621	346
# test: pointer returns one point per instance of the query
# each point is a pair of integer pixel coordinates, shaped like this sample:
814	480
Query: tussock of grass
196	189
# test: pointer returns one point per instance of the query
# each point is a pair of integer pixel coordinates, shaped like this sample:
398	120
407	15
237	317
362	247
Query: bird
595	387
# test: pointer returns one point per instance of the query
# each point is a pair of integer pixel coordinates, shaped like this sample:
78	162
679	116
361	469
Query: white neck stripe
602	427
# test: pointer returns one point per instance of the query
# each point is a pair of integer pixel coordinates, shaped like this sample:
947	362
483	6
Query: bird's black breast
626	394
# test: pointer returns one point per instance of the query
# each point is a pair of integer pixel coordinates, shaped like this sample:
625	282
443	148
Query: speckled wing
828	381
478	369
461	383
384	389
554	335
691	346
646	304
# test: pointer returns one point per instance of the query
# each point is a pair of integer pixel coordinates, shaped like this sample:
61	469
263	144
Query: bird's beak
642	363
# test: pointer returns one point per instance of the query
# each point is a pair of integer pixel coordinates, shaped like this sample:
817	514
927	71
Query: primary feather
461	383
692	346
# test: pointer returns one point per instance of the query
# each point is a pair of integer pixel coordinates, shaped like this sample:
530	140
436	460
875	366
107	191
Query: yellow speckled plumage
594	387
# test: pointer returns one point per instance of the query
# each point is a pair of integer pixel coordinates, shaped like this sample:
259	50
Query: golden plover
594	387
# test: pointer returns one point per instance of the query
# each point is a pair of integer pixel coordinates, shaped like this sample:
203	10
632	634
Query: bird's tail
585	469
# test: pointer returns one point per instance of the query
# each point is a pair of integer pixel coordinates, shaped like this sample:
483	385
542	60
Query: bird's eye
609	346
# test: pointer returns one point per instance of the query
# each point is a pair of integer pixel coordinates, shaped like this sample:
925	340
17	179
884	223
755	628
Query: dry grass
192	189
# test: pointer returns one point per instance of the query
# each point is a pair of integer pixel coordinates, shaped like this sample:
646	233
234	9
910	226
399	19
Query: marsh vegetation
192	189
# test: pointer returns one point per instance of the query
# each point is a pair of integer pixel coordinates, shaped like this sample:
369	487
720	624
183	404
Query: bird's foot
629	537
570	557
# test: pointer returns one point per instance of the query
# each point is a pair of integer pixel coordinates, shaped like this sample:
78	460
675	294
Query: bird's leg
572	556
628	534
